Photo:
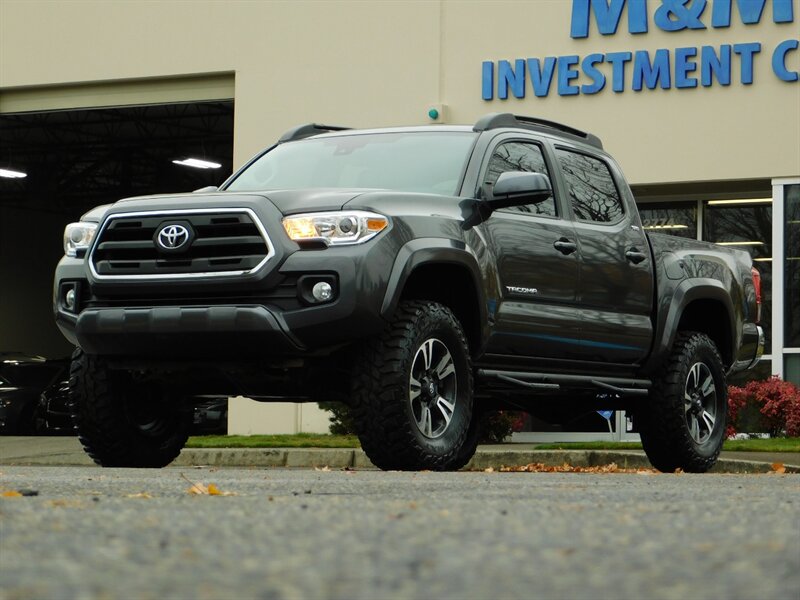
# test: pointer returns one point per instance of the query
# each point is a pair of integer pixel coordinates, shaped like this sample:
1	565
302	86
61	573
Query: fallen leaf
778	467
490	470
324	469
11	494
213	490
144	495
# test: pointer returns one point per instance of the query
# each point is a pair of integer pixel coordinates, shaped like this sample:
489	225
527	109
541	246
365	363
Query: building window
679	219
791	273
746	225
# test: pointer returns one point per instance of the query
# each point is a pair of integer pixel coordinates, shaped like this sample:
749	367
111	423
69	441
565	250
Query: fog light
69	298
322	291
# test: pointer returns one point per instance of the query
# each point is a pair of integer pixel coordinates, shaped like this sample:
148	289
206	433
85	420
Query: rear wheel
683	424
413	392
122	423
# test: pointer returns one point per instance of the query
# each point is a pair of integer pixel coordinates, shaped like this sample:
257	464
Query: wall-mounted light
8	173
763	259
197	163
742	201
666	227
739	243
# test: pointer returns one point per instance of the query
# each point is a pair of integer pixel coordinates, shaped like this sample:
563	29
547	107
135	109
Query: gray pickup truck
424	276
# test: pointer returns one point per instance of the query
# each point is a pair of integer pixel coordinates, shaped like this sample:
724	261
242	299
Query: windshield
413	161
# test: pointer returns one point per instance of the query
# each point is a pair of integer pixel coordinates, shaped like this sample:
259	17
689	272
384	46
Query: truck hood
289	202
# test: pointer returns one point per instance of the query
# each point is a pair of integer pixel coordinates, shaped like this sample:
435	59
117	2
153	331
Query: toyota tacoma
423	276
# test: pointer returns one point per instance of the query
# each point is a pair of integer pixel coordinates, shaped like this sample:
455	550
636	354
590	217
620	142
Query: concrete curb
68	452
340	458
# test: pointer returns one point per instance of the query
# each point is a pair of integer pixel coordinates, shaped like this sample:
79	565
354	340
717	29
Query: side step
554	381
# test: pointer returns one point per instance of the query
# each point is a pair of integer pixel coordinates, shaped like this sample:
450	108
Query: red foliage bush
778	402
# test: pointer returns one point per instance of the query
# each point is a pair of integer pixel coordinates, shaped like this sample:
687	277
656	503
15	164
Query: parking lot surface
113	533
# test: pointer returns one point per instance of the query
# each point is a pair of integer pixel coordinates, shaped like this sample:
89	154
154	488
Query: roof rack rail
307	130
497	120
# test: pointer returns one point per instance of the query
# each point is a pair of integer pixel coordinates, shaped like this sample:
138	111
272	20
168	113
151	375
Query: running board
554	381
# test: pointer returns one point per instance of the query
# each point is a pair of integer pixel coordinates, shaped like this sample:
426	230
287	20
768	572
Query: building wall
386	63
382	63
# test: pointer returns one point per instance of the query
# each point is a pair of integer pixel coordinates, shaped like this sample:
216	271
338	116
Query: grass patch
754	445
299	440
315	440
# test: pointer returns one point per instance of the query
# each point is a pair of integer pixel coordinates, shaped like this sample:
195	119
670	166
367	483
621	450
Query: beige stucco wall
384	63
381	63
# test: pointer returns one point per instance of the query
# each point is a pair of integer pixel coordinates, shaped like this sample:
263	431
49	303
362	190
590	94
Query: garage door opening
73	160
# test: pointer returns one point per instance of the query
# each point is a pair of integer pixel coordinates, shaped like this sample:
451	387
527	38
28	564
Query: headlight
335	228
78	237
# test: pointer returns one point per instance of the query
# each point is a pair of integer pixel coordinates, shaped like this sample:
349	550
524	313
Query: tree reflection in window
749	226
591	188
518	156
676	218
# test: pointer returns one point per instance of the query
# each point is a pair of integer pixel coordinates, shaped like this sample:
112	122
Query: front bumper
261	313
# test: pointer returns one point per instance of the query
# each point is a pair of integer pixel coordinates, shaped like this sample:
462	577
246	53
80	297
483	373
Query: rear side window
520	156
592	191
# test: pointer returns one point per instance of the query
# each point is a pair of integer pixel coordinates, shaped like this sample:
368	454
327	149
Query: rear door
615	292
537	261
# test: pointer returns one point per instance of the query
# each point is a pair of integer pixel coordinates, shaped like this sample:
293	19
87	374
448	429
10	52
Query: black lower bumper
171	331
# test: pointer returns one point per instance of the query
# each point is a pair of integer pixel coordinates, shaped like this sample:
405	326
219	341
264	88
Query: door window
520	156
592	191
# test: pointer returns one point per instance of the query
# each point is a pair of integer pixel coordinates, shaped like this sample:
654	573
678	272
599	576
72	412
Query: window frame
568	197
511	137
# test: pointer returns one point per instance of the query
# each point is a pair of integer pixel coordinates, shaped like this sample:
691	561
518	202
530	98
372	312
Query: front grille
221	242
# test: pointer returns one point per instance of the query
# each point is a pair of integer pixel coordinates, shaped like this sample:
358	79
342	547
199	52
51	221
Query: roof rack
497	120
307	130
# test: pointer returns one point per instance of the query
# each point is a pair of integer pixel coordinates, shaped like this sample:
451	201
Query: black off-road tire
382	407
122	423
665	424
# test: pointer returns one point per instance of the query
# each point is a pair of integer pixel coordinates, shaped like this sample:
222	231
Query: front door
537	265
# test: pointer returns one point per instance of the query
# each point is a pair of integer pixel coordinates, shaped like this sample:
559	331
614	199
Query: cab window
520	156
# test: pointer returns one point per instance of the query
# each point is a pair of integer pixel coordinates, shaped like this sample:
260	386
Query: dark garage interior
74	160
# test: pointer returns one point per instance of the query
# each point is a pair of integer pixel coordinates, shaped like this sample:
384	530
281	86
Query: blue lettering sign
511	77
607	14
779	60
617	61
684	66
712	65
589	69
487	80
541	75
651	74
747	51
675	15
750	11
566	74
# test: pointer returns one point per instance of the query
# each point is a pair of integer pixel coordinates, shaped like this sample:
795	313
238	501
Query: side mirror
515	188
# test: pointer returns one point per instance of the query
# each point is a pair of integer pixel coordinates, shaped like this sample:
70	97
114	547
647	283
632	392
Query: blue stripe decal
575	341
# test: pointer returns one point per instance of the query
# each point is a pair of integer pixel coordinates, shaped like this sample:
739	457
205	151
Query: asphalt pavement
366	534
67	451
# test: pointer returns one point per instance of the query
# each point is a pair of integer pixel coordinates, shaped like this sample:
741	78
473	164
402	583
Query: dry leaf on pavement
778	468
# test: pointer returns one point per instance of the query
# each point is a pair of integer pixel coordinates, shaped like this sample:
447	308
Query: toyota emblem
172	237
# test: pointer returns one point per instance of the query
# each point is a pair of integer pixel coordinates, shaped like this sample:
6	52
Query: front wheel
683	424
412	393
124	423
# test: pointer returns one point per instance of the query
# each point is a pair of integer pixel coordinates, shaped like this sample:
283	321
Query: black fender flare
427	251
688	291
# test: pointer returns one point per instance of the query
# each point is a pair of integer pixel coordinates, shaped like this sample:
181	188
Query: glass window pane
518	156
591	188
791	273
676	218
746	227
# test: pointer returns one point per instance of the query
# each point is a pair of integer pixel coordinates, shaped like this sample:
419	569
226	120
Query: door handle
565	246
635	256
